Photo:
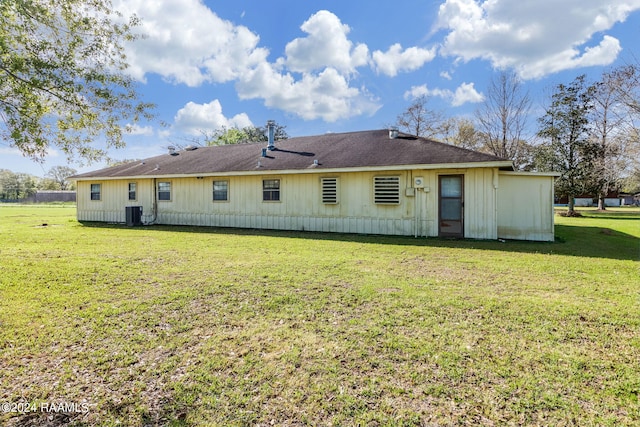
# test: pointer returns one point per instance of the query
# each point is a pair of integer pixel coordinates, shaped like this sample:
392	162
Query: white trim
519	173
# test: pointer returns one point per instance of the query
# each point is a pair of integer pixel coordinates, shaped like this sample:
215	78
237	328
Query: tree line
18	186
588	133
64	82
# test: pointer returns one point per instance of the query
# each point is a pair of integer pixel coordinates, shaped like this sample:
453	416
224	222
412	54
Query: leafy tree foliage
62	77
16	186
59	174
225	136
568	148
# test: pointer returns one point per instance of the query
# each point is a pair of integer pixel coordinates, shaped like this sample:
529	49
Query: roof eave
314	170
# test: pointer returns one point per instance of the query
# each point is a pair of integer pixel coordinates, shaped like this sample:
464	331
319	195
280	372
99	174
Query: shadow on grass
580	241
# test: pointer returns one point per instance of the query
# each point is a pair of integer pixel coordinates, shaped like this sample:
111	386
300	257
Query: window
329	190
386	190
164	191
270	190
220	190
132	191
95	191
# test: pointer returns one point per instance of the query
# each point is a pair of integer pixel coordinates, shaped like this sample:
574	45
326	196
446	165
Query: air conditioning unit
418	182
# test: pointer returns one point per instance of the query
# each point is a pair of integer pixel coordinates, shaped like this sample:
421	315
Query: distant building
613	199
369	182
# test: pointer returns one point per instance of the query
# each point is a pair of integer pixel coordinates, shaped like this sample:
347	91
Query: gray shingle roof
332	151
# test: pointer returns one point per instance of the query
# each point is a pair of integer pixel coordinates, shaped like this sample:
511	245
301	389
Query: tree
462	132
225	136
503	116
613	131
568	148
629	91
420	120
16	186
60	174
48	184
62	77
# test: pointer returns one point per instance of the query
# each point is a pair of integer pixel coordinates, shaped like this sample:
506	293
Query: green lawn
200	326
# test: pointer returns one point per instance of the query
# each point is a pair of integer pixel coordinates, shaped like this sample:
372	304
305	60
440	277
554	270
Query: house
628	199
367	182
612	199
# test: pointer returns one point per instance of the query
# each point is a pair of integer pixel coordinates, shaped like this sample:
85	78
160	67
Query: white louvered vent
329	190
386	190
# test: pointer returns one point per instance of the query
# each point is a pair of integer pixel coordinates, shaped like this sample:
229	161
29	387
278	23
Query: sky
340	66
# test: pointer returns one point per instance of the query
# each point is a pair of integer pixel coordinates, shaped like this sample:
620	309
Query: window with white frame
329	190
220	191
386	190
270	190
164	191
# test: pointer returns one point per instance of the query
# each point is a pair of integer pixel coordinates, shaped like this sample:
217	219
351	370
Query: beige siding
480	204
525	207
300	206
114	198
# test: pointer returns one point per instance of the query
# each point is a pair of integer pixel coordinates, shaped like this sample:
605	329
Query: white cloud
605	53
10	151
423	90
325	46
185	42
395	60
465	93
325	96
194	118
416	92
523	35
140	130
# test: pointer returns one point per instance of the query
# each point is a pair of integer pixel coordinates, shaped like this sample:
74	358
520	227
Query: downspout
154	206
415	208
496	177
415	213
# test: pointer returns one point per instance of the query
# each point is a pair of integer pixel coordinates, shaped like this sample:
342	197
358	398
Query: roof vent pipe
271	133
393	132
264	152
172	150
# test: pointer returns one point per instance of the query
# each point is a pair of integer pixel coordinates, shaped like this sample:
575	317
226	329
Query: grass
189	326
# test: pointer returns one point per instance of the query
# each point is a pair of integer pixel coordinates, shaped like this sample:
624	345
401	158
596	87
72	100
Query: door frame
440	232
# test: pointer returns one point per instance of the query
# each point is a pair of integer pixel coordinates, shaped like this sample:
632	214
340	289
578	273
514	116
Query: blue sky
339	66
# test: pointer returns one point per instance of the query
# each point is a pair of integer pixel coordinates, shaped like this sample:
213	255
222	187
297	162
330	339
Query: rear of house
360	182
